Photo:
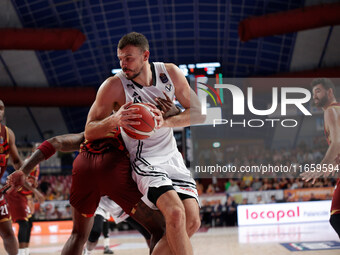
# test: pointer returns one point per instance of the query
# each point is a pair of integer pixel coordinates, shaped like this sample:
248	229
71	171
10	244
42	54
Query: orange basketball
147	122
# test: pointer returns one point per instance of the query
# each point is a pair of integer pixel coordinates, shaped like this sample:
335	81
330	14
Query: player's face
132	61
320	95
2	110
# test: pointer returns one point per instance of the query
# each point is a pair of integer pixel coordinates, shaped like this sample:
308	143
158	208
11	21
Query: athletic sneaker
107	250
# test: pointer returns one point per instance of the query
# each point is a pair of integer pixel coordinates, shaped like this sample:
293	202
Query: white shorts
108	207
172	172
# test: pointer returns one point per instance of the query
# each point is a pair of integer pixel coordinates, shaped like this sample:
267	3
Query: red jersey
4	155
4	148
103	168
99	146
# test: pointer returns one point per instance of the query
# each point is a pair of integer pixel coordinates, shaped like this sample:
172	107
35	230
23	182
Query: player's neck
145	77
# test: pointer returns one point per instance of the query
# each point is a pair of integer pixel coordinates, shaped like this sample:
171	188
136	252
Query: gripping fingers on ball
156	111
130	116
151	106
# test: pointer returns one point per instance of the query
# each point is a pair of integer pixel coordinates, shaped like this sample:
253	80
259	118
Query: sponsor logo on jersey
163	77
168	87
130	86
188	190
136	98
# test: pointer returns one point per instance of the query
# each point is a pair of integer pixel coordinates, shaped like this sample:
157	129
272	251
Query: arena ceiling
179	31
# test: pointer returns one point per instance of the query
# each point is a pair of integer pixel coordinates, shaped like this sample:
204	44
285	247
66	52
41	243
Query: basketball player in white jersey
158	167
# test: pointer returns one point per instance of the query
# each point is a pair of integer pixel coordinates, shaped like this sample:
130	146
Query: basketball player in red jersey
21	208
7	149
158	167
323	96
101	168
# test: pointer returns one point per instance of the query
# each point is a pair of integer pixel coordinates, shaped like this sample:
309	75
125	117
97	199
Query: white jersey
161	145
108	207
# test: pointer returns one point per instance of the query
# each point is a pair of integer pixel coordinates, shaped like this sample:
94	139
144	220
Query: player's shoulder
174	72
332	114
112	83
9	130
10	133
170	67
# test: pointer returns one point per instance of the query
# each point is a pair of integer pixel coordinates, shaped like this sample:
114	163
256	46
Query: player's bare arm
100	120
68	142
188	99
332	123
40	197
64	143
13	150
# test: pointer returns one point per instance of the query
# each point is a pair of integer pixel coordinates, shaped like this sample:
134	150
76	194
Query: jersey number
3	210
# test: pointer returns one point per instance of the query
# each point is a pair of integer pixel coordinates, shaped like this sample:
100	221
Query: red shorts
335	208
105	173
4	213
18	206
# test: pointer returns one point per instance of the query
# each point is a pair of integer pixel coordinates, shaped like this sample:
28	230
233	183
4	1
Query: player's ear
146	55
330	92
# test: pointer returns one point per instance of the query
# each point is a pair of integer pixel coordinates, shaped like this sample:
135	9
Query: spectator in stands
247	179
215	182
56	214
210	190
218	214
245	201
58	187
231	209
257	184
227	185
206	213
267	184
58	196
40	214
233	186
297	184
272	199
259	200
67	214
50	194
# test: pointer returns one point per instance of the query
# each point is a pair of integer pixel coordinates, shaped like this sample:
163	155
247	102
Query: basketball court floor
306	238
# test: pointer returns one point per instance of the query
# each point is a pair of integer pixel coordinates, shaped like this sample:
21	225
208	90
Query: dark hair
135	39
325	82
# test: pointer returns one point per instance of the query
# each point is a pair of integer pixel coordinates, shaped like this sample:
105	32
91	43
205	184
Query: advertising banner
283	213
